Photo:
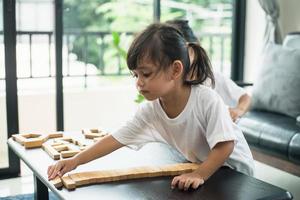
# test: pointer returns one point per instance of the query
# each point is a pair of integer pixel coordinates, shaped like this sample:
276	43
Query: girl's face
152	82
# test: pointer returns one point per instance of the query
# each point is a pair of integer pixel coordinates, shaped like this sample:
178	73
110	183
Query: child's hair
161	44
183	26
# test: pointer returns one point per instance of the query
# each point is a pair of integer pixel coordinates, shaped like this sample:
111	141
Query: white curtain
272	31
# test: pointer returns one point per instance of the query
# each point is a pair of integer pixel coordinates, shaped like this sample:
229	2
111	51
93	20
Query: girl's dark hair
161	44
183	26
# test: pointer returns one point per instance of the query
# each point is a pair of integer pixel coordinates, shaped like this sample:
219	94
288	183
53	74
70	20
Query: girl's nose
139	82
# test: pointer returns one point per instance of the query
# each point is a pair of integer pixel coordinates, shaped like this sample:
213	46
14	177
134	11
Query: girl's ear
177	69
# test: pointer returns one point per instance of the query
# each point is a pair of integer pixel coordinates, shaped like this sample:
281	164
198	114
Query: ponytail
200	70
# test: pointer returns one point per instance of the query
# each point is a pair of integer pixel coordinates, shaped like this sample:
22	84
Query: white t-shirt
203	123
228	90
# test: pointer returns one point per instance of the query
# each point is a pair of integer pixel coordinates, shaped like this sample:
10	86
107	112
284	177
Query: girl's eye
147	74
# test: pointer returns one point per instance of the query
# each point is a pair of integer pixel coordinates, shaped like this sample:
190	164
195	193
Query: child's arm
101	148
214	161
241	108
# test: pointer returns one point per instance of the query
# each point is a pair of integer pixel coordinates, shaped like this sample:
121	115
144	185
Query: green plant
139	98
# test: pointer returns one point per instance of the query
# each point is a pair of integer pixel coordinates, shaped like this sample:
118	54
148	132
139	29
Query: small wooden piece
33	140
85	178
52	152
70	183
93	133
57	182
69	153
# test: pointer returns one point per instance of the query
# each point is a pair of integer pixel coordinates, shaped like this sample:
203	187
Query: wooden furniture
224	184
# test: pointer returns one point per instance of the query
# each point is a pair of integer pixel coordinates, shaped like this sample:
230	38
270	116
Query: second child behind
180	111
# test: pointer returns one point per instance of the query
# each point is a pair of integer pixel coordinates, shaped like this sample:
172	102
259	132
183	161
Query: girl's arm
241	108
101	148
214	161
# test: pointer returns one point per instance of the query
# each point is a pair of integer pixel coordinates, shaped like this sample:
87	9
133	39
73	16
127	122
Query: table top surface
224	184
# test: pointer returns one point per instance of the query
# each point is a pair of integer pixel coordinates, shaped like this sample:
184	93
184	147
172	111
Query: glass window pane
35	65
211	21
97	35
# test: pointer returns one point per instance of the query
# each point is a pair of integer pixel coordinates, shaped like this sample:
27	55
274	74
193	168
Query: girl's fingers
49	171
187	184
181	184
196	183
62	171
174	182
55	171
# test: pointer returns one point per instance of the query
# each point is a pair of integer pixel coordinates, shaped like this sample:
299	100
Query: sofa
272	126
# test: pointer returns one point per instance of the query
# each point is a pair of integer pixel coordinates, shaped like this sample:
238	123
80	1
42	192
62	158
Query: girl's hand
61	167
235	113
185	181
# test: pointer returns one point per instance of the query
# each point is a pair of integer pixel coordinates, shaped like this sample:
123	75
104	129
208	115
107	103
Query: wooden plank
86	178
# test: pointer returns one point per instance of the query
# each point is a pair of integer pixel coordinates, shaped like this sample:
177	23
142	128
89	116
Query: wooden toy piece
33	143
59	140
33	140
68	183
61	147
79	143
29	140
55	155
19	138
85	178
93	133
55	135
69	153
57	182
95	130
67	139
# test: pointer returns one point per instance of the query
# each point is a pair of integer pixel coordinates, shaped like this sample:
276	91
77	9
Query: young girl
233	96
180	111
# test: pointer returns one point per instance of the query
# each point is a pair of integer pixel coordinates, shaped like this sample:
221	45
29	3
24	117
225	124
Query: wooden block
80	143
68	183
57	182
69	153
60	148
33	143
91	135
95	130
55	135
68	139
19	138
94	135
51	151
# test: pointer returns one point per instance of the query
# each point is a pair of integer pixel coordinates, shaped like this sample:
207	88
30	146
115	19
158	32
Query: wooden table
224	184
